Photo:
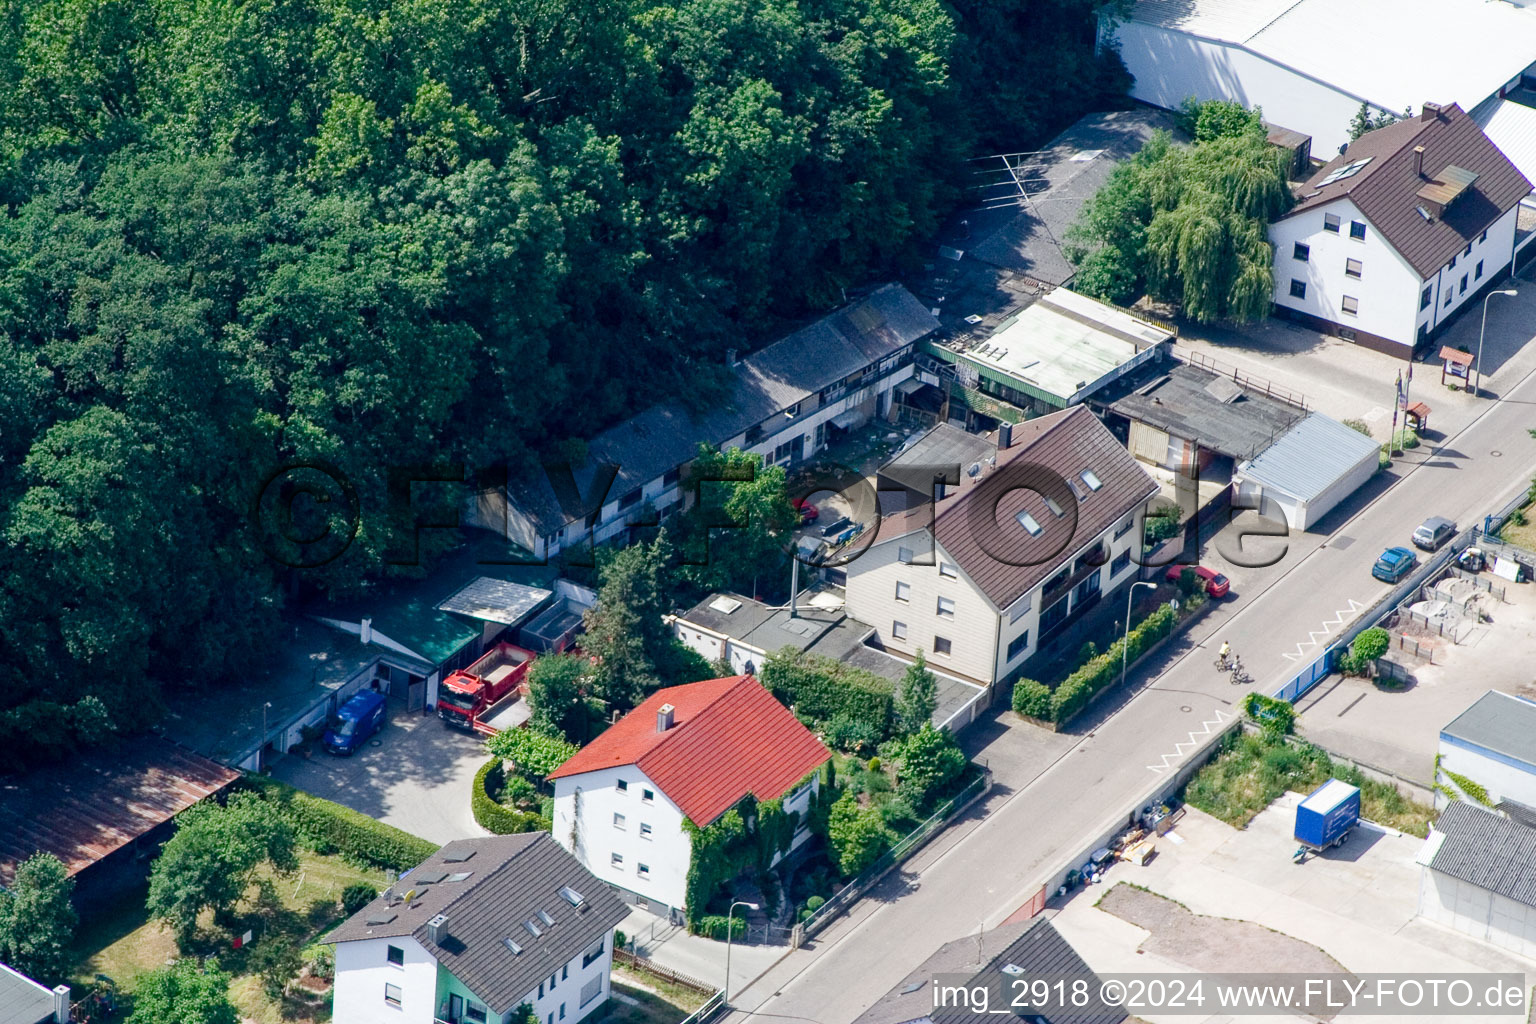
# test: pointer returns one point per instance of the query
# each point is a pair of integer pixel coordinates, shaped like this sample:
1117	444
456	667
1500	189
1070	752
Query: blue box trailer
1325	817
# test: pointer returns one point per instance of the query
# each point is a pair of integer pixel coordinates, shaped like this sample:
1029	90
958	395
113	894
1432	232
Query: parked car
1434	531
808	513
1216	585
1394	564
356	720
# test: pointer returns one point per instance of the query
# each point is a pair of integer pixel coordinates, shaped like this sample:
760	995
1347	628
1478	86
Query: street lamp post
739	903
1125	643
1483	331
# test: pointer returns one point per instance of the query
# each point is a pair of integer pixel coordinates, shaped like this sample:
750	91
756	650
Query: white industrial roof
1310	456
1065	342
1390	52
1512	128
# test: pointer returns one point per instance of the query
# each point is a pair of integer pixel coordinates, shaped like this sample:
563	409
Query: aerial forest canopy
240	233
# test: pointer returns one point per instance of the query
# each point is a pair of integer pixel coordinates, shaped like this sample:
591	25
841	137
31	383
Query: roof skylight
1030	524
1050	503
543	915
571	896
512	947
533	927
1090	478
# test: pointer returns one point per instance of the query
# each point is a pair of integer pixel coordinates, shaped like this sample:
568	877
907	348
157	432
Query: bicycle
1239	676
1225	661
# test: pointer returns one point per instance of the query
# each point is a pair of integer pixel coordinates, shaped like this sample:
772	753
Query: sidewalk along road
994	867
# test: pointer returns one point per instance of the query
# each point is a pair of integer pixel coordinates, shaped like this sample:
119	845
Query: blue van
356	720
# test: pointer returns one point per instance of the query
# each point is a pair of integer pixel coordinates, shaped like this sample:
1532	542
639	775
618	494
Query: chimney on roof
664	717
61	1004
437	929
1004	435
366	633
1431	112
1418	160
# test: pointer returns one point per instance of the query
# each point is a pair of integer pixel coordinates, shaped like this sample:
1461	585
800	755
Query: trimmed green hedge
822	689
1033	698
328	827
494	817
1103	671
713	926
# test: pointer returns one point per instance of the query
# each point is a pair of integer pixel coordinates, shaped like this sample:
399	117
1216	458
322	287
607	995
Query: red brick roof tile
729	737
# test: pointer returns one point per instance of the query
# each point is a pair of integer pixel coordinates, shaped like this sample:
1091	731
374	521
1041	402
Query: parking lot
415	775
1218	899
1399	730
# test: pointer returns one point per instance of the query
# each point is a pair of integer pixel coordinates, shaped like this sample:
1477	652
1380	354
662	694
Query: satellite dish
410	897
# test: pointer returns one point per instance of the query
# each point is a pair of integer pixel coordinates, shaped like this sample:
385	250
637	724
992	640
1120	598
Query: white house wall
547	1001
1387	290
1493	251
1341	488
871	597
1171	65
362	971
1471	910
584	825
1503	778
743	658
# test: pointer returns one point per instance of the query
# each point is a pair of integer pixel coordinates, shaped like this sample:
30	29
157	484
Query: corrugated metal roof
1386	189
82	809
1398	51
1487	850
493	600
1309	457
1498	722
729	737
1511	127
511	879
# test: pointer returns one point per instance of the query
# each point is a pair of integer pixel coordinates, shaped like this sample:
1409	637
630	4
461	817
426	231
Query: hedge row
328	827
1033	698
822	689
494	817
713	926
1102	671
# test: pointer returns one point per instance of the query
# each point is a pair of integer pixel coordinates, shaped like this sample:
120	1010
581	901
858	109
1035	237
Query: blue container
1325	817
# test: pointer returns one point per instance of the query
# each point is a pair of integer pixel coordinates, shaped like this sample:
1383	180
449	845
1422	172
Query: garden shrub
494	817
815	903
533	754
823	689
857	836
931	761
356	896
713	926
1033	698
327	827
517	792
1273	715
1370	644
845	732
321	961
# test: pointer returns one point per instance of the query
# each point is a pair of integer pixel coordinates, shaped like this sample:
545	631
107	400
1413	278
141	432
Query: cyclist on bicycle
1226	652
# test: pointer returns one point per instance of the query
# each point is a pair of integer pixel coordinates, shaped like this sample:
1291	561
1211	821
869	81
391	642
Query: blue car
356	720
1394	564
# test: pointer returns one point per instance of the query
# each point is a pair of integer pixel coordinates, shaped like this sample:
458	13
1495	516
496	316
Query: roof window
1056	509
1030	525
571	896
543	915
1091	479
512	946
533	927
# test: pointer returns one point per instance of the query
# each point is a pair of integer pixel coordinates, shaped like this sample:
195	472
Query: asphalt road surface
986	870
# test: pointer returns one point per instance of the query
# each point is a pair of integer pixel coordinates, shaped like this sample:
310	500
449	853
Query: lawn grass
122	943
1253	770
654	1007
1520	535
683	997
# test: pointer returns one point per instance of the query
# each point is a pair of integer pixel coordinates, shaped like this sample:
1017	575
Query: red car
808	513
1216	585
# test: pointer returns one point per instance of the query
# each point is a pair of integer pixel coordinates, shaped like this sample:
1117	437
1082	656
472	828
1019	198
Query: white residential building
1391	240
478	930
1311	63
787	402
687	752
1010	551
1492	744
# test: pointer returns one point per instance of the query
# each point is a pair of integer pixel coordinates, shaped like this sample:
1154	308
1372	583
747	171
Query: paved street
1048	811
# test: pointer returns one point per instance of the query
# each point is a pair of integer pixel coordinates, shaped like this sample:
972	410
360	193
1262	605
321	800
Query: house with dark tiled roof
1479	877
785	402
689	752
476	931
1011	549
1407	227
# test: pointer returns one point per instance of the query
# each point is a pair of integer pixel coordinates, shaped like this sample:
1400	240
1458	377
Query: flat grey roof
1498	722
493	600
1486	850
1180	402
1310	457
952	693
828	632
22	1000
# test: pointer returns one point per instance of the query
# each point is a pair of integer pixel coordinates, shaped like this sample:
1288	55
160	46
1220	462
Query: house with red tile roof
687	752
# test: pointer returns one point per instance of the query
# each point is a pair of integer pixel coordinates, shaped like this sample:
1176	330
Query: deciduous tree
37	920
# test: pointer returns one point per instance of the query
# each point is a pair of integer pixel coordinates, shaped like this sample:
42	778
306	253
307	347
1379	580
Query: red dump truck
489	696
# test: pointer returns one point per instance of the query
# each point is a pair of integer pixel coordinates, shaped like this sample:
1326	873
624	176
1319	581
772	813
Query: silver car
1434	531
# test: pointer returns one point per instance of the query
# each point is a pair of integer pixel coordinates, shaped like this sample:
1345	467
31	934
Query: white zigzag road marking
1169	760
1355	607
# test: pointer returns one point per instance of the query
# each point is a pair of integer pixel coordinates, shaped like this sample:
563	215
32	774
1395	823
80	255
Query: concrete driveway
415	775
